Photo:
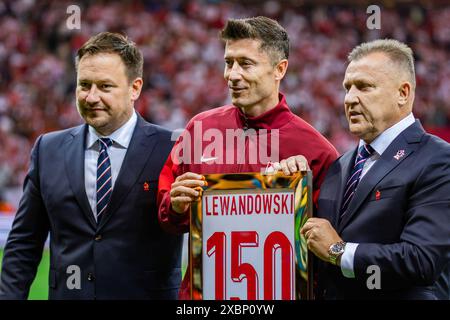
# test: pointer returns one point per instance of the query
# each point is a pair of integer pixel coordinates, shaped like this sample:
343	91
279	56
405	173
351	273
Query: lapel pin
377	195
400	153
146	186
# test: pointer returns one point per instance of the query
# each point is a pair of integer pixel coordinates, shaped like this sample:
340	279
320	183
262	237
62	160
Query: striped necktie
364	153
104	183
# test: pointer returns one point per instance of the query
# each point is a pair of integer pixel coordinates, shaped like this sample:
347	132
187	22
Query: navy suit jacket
126	256
400	216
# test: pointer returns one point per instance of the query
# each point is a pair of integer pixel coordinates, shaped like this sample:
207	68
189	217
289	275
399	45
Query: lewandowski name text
248	204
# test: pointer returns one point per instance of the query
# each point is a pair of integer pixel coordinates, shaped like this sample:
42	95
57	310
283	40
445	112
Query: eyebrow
98	81
239	57
357	81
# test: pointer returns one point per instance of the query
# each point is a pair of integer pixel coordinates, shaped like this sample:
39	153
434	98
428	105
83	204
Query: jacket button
90	277
98	237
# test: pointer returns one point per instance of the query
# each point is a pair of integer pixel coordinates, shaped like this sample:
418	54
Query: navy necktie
364	153
104	183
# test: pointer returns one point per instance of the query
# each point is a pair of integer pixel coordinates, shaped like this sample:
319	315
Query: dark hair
274	39
108	42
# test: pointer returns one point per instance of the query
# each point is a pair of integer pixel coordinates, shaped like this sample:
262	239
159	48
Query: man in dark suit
93	187
383	225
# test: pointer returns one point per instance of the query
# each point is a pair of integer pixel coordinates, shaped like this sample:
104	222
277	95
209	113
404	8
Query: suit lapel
402	146
74	149
139	150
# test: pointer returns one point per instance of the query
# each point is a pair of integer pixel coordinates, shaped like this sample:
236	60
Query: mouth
237	89
95	110
353	115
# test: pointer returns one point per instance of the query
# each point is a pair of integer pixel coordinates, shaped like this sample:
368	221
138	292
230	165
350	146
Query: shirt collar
275	118
121	137
381	142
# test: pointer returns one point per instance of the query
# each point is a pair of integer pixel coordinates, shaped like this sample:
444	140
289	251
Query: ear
280	69
404	93
136	88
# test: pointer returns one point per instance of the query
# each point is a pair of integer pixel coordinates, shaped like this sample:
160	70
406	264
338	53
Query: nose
93	95
234	73
351	96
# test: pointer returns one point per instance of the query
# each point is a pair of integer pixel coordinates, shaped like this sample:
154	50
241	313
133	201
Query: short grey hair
397	51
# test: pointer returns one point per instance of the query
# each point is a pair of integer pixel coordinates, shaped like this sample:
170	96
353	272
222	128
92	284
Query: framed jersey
245	241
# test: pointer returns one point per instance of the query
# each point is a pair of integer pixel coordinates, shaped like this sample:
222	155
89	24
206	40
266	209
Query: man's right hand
185	190
292	165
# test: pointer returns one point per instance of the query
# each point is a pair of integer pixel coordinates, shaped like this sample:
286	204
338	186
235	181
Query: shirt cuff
347	260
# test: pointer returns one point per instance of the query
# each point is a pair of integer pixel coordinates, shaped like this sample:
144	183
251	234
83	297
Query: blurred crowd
183	69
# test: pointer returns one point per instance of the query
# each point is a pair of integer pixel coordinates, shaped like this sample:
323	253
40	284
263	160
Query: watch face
337	247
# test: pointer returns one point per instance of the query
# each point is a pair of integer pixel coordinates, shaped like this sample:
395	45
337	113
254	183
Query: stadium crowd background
183	69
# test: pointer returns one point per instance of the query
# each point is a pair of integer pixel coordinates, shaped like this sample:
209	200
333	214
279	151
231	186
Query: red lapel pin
377	195
146	186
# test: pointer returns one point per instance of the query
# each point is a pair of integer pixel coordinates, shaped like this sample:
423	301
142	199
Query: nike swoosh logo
203	159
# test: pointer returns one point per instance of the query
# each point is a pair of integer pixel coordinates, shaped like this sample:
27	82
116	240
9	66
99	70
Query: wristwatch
335	251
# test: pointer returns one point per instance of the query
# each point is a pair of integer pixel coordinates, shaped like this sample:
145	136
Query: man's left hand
320	235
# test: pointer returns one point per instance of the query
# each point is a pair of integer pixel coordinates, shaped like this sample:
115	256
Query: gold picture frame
300	183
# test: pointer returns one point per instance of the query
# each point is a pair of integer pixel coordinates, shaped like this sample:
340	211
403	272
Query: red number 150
216	244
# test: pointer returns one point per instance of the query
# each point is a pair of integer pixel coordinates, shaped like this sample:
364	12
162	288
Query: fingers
186	185
189	183
312	233
308	233
309	224
189	176
276	166
181	198
185	190
190	179
319	235
310	244
285	168
180	204
292	165
301	163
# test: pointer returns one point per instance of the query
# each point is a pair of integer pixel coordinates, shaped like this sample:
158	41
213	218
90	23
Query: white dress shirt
121	140
380	144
